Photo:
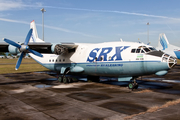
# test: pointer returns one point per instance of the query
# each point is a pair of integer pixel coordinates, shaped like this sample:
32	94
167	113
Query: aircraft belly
112	68
152	67
124	69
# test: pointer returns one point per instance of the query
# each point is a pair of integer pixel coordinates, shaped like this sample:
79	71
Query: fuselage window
133	50
49	60
109	57
63	60
138	50
53	60
59	60
56	60
102	58
95	59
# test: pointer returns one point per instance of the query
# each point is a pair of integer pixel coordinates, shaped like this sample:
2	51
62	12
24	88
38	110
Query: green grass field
32	66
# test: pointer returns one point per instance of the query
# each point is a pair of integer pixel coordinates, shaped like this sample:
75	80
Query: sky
92	21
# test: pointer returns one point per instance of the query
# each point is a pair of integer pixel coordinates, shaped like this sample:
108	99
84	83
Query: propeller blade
19	61
28	37
12	43
36	53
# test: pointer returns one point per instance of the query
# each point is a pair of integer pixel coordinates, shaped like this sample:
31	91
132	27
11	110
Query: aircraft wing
4	47
69	45
45	47
42	47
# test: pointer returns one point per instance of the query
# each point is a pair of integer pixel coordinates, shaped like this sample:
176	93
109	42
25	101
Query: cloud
14	21
51	27
69	31
118	12
16	4
9	4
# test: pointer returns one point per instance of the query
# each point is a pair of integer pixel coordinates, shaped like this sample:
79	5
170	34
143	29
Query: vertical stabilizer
34	37
163	41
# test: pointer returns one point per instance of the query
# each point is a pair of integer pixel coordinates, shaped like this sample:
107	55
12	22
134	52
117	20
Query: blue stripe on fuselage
120	68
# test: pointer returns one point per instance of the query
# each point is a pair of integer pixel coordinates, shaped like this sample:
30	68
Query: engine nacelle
13	50
58	49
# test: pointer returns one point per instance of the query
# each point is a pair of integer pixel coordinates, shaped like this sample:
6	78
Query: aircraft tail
34	37
163	41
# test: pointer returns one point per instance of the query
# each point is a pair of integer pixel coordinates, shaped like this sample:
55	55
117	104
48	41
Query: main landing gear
65	79
133	84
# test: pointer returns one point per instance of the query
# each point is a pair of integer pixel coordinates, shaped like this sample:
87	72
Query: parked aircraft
2	56
165	46
124	60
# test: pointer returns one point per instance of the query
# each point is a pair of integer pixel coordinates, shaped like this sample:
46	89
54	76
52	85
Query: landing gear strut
65	79
133	84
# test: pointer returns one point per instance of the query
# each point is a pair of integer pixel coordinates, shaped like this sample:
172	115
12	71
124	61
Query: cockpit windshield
143	49
152	48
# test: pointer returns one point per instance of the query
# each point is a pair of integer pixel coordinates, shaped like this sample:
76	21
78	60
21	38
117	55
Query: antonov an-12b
124	60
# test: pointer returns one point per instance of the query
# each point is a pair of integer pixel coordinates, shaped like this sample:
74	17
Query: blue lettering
104	53
118	53
93	54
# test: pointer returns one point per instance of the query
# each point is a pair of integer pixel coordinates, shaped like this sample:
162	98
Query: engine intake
13	50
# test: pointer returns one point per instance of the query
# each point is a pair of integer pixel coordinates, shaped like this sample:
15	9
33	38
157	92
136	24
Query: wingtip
16	69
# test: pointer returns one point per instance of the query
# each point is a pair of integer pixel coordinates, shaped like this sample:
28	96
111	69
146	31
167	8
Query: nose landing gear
133	84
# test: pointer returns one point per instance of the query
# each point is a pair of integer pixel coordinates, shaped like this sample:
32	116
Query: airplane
124	60
163	45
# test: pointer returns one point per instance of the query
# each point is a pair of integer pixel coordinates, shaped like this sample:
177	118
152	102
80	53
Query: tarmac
37	96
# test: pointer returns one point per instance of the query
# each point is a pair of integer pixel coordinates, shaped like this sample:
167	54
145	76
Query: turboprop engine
59	49
24	48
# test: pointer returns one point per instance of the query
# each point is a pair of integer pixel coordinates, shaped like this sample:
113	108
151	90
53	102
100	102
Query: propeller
24	48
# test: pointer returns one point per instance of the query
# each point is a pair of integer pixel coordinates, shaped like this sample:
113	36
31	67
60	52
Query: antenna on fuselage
121	40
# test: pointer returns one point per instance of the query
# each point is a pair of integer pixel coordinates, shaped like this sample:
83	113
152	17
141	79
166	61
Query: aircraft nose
170	60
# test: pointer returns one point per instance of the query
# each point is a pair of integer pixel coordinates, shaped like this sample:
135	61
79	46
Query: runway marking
155	108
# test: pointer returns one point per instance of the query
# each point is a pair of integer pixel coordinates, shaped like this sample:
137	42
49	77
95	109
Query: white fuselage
107	59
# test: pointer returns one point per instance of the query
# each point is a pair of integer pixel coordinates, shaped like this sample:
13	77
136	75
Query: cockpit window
133	50
146	49
142	51
151	48
138	50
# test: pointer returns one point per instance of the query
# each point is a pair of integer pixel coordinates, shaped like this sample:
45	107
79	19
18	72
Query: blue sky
92	21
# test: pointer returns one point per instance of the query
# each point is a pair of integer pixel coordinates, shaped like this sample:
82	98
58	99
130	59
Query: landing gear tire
60	79
132	85
65	80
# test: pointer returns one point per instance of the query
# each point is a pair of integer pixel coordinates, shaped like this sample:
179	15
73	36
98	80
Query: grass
178	61
32	66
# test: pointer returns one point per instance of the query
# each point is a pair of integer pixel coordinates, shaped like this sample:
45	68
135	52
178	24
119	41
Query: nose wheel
133	84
